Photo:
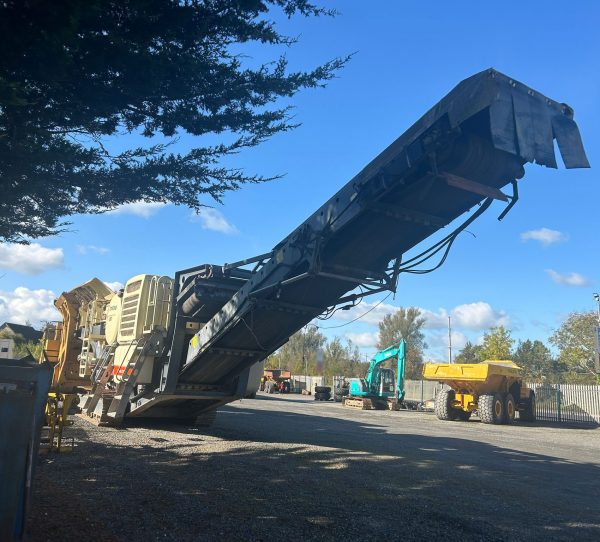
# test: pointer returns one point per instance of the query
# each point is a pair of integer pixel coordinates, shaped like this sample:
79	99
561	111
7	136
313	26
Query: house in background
9	333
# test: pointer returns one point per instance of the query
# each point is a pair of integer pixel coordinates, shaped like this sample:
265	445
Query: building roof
27	332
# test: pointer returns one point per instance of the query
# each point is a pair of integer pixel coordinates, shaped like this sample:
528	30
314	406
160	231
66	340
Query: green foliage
576	343
407	324
339	359
76	74
497	344
299	353
24	348
471	353
536	361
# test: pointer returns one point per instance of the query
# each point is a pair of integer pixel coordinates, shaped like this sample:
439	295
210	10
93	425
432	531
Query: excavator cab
387	382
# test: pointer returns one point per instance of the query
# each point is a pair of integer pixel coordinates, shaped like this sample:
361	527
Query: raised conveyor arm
459	154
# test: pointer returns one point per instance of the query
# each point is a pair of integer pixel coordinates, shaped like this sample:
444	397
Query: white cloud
439	340
86	249
545	236
478	315
363	340
24	305
138	208
114	286
568	279
31	259
213	220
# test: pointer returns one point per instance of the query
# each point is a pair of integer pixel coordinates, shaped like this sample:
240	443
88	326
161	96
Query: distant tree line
574	341
299	355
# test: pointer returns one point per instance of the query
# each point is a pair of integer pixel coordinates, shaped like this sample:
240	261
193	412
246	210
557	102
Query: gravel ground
287	467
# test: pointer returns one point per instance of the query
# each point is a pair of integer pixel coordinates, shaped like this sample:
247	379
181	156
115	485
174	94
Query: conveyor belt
459	154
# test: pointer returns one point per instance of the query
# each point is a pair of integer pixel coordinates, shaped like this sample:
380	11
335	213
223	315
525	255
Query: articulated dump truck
181	347
494	389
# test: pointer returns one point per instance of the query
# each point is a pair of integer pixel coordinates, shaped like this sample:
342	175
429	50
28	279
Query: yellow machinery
63	343
494	389
57	417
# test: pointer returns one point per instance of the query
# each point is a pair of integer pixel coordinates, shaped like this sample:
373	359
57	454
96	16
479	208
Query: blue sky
408	55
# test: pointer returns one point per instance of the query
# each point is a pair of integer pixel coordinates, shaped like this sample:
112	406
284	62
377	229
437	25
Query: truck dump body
458	155
477	378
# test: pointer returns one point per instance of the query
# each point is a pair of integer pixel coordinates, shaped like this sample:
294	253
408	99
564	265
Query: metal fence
420	390
567	403
562	403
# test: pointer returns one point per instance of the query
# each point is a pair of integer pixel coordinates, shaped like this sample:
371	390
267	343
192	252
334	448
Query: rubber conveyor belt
461	152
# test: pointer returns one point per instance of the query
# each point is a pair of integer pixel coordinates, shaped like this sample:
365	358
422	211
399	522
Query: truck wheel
509	409
491	408
443	405
322	389
528	413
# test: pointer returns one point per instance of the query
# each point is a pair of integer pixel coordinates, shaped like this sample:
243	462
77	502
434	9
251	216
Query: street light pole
449	340
597	333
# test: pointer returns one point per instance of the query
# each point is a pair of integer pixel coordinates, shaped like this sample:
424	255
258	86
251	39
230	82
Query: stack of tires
340	393
322	393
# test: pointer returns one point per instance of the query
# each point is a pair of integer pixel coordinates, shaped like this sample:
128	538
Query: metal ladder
118	406
100	376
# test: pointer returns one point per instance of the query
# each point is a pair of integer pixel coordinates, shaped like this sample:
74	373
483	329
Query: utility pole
597	334
449	340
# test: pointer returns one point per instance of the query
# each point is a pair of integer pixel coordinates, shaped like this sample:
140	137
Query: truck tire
528	413
509	408
491	408
443	406
341	391
322	389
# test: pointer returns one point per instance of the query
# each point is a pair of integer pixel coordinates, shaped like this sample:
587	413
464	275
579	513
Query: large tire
491	408
322	389
341	391
509	408
338	398
528	414
443	405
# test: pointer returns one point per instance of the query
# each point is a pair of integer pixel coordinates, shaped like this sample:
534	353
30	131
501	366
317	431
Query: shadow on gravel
292	476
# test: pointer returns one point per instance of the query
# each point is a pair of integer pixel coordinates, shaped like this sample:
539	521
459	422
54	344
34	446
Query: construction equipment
223	320
494	389
69	345
380	389
58	407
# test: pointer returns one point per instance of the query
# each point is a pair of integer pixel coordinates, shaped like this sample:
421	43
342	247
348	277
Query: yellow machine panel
113	318
73	306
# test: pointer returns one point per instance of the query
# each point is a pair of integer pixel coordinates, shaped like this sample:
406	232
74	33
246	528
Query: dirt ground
289	468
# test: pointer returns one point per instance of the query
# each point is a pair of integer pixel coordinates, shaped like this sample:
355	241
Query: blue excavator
381	389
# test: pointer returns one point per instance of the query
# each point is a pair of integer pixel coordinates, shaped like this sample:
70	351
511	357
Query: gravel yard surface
289	468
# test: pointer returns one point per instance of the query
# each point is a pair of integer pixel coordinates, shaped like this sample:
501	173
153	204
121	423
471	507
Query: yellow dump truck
494	389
